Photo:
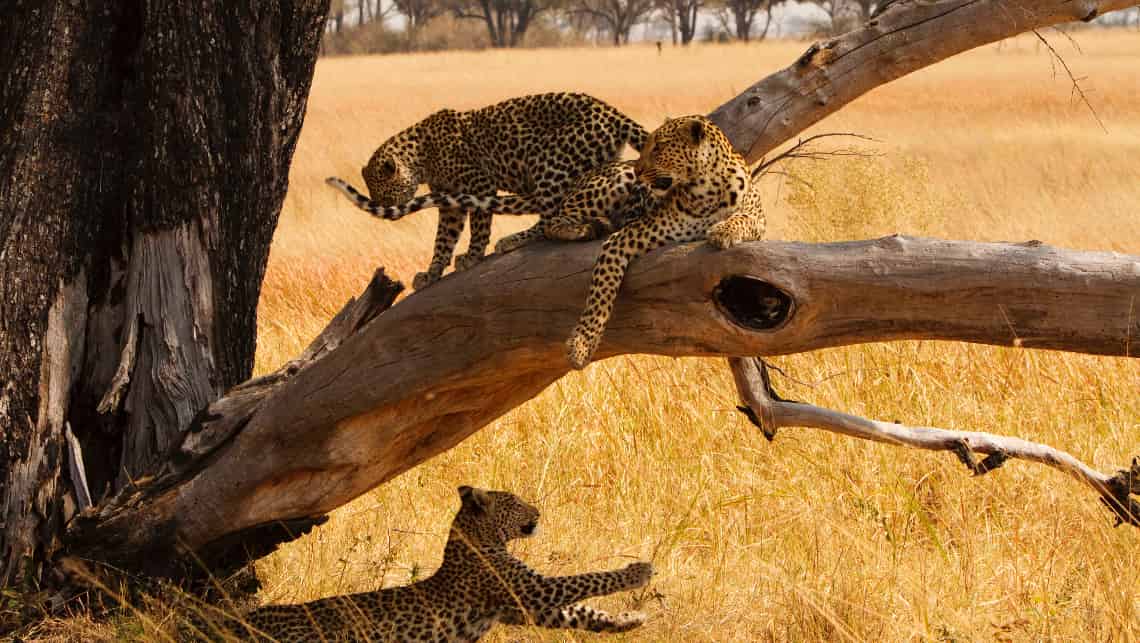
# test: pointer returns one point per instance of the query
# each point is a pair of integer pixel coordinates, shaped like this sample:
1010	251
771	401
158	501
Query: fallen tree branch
906	36
423	375
764	409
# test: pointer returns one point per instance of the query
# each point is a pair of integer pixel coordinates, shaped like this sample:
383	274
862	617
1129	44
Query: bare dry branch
768	412
1077	89
802	149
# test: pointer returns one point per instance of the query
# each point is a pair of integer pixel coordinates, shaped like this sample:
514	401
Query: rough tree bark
143	161
401	385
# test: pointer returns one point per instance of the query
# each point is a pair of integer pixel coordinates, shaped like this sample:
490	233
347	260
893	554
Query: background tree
507	21
682	18
336	15
843	15
739	17
618	17
417	13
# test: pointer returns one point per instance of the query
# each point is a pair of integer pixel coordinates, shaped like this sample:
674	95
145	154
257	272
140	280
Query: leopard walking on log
534	146
478	584
598	203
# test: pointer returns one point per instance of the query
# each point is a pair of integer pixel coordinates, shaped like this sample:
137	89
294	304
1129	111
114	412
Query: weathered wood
432	370
144	157
769	413
904	37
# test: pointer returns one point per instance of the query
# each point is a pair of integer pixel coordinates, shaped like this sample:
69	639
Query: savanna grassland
812	537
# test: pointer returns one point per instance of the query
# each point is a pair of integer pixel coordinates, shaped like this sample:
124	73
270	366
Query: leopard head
389	178
493	517
673	154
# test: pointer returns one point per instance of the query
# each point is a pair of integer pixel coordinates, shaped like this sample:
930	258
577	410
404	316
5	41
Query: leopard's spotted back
478	584
704	190
535	147
599	202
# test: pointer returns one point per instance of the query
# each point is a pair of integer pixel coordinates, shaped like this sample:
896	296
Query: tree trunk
140	186
689	21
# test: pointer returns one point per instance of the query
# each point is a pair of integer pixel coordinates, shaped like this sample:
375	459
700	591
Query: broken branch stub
764	409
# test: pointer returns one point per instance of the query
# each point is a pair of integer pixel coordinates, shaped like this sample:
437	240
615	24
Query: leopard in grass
598	203
704	191
479	584
534	146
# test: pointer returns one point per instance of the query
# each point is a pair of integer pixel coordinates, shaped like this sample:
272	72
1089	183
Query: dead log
433	369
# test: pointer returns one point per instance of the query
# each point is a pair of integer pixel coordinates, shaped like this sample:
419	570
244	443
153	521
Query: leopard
598	203
534	146
478	585
704	191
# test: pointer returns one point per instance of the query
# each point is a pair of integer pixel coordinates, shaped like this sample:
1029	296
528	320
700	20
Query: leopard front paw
467	260
424	279
579	349
722	236
639	574
627	621
509	243
572	233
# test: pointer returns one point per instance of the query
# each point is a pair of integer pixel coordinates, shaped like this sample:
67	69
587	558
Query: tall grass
812	537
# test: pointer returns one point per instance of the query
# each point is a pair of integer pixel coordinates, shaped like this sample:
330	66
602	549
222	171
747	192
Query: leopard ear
388	167
476	497
696	131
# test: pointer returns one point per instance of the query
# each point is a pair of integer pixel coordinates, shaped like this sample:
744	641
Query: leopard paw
510	243
579	349
424	279
467	260
627	621
721	236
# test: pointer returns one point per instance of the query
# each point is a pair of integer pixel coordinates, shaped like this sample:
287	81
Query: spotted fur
599	202
533	146
704	191
479	584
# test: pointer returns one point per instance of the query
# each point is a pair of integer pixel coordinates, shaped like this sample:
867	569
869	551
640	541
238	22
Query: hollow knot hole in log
752	303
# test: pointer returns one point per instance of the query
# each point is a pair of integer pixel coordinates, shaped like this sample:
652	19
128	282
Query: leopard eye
662	183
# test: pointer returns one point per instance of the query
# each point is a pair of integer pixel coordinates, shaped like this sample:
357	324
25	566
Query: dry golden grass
813	537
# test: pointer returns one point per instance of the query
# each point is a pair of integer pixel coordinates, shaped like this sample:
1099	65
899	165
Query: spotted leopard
599	202
479	584
534	146
704	191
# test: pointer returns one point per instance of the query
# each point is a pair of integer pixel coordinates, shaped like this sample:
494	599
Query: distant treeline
388	26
